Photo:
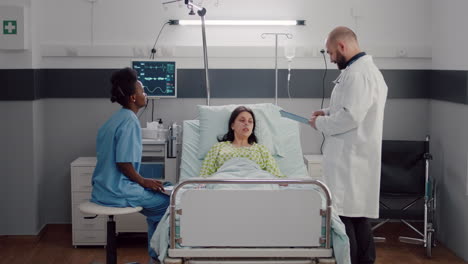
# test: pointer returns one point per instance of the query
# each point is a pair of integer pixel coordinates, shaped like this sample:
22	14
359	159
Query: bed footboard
251	223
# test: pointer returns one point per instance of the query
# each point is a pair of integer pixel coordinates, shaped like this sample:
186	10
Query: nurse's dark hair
229	136
123	85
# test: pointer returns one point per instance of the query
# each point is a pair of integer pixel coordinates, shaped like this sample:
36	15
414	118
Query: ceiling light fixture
239	22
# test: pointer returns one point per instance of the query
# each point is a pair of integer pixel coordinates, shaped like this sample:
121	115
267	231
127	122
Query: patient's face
243	125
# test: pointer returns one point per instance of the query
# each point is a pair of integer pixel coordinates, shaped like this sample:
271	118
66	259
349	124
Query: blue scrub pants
154	206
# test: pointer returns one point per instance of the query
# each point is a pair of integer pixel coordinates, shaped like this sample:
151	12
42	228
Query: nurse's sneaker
154	261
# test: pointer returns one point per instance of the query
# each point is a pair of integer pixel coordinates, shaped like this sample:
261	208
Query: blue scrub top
118	140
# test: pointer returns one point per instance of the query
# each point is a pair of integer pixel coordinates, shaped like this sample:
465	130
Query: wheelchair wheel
429	244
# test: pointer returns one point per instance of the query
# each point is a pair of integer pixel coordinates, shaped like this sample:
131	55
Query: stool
96	209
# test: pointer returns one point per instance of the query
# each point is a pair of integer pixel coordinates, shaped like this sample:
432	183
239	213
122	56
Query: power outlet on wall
402	53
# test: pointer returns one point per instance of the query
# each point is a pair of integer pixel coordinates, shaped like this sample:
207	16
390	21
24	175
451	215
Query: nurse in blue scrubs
116	181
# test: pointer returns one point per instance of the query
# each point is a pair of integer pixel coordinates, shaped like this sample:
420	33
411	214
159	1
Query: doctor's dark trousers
361	239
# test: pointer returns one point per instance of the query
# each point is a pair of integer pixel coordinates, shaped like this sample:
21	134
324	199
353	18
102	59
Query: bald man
352	126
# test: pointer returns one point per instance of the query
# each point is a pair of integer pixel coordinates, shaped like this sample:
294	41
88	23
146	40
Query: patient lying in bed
239	142
238	155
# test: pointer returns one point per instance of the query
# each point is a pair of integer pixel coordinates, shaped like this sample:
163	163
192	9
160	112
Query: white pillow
291	163
214	124
190	165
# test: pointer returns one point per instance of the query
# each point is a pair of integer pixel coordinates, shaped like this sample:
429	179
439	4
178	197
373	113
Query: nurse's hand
153	184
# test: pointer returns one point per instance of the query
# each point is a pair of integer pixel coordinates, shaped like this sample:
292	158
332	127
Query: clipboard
294	117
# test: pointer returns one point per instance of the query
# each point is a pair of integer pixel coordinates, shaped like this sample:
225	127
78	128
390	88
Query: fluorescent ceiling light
239	22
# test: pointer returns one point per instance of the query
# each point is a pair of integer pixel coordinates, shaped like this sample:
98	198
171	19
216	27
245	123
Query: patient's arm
209	165
269	163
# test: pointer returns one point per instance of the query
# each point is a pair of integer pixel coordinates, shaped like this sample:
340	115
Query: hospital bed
289	224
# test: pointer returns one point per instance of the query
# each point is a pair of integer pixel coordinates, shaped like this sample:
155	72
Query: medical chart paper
294	117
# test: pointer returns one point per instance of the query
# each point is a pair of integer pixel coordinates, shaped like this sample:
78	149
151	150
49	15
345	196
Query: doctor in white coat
353	126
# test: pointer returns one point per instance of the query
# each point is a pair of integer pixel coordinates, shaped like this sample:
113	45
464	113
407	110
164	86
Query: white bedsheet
241	168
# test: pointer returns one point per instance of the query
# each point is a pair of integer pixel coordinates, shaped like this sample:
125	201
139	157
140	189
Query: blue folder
294	117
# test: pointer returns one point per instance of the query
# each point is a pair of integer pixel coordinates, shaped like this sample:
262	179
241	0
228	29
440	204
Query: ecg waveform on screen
158	77
164	68
152	91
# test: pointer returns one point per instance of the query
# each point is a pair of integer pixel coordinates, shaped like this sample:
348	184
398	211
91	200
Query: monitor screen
158	77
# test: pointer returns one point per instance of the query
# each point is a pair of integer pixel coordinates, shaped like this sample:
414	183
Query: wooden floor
393	251
54	247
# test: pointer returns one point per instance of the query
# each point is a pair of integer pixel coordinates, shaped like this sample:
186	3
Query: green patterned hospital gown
224	151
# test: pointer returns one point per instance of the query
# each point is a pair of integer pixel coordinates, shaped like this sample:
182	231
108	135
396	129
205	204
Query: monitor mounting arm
201	12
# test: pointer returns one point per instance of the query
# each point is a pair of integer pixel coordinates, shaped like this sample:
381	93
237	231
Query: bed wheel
429	244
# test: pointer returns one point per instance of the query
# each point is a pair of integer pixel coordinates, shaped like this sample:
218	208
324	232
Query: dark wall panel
75	83
30	84
449	86
407	83
21	84
190	83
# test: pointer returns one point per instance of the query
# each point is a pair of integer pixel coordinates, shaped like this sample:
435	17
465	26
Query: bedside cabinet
314	165
85	231
93	231
155	164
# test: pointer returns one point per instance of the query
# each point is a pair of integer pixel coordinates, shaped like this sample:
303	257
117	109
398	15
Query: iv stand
201	12
289	36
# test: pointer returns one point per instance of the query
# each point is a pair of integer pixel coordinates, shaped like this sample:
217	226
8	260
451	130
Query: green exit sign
9	27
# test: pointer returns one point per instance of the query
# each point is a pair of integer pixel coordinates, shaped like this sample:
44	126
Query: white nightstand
85	231
93	231
314	165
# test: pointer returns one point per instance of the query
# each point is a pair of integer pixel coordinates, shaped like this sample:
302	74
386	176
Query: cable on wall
152	110
144	109
153	50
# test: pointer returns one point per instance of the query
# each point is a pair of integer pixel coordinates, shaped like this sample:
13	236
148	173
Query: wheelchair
405	176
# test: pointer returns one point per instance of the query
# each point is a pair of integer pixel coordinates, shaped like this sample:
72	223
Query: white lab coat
353	127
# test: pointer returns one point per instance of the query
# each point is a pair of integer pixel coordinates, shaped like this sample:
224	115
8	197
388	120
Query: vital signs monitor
158	77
